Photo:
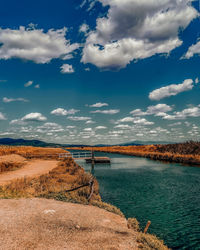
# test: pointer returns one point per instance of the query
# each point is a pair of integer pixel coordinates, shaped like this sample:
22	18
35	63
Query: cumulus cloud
64	112
157	110
123	126
17	122
136	120
135	30
28	84
67	69
193	50
189	112
35	44
7	100
34	117
171	90
106	112
90	122
2	117
100	127
84	28
98	105
79	118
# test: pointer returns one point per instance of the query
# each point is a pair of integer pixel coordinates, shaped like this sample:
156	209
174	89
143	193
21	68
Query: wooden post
92	160
147	226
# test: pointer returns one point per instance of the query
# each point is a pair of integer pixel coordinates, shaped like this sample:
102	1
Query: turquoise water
166	194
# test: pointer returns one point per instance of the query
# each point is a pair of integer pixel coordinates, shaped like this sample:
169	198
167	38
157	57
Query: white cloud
17	122
34	117
197	80
157	110
135	30
87	129
79	118
64	112
34	44
37	86
98	105
84	28
100	127
67	69
7	100
137	112
2	117
136	120
127	119
106	112
171	90
142	121
69	127
189	112
90	122
123	126
175	124
28	84
193	50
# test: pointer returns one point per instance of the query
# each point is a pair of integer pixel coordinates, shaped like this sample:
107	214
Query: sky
100	71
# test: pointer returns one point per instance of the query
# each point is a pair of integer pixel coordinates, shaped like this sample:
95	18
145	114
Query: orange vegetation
11	162
32	152
185	153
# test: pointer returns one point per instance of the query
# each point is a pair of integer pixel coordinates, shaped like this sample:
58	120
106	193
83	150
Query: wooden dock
102	160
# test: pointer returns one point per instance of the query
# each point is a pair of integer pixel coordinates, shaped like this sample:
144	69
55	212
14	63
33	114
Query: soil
33	168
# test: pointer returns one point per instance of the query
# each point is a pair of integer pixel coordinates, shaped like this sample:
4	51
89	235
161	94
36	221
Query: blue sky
104	71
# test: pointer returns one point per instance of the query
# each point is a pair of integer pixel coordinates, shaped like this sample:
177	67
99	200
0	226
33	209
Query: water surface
166	194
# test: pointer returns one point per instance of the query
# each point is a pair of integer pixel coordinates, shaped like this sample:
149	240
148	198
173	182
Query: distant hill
23	142
38	143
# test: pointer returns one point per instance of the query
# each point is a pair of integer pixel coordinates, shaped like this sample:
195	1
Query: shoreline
187	160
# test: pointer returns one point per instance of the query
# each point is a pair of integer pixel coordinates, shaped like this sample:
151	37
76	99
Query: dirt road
31	169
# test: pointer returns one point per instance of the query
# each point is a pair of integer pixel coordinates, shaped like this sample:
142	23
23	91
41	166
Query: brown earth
49	224
32	168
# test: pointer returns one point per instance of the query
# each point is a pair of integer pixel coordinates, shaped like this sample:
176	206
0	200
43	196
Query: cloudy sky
100	71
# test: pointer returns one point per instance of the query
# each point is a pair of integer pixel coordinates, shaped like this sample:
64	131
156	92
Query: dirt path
53	225
31	169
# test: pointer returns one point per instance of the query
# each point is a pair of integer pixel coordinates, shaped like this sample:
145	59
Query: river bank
52	186
153	152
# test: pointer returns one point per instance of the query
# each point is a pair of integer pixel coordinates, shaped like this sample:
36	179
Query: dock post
92	160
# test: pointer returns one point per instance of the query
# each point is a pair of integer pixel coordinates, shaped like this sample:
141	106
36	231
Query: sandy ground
49	224
31	169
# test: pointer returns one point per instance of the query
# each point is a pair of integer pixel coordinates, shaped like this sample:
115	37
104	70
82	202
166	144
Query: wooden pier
87	156
102	160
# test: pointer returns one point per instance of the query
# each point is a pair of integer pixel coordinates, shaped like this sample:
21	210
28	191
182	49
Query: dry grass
187	148
132	223
185	153
66	176
31	152
11	162
10	166
148	242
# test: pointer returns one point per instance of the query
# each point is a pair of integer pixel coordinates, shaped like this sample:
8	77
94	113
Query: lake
166	194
